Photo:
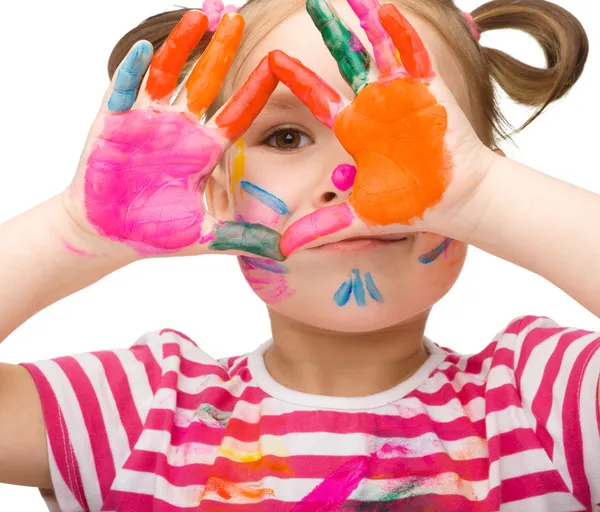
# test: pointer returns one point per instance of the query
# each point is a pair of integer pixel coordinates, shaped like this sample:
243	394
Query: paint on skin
238	166
169	61
247	102
80	252
266	198
325	221
384	50
129	76
434	254
336	488
208	74
323	100
142	179
271	287
269	265
354	285
253	238
354	64
343	176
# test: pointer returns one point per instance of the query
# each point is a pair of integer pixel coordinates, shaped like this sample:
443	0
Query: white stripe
78	433
522	463
506	420
555	501
64	496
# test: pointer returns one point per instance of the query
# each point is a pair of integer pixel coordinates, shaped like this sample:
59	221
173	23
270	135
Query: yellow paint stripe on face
239	164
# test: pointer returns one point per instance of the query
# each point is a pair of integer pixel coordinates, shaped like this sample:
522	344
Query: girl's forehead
299	38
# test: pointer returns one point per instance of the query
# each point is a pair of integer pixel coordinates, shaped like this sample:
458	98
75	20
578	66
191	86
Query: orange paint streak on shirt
395	131
172	56
205	81
228	490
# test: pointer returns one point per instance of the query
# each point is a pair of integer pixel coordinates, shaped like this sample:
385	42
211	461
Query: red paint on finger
413	53
322	99
173	54
248	101
208	74
322	222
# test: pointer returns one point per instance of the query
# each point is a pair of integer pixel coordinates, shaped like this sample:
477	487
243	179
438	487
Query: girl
350	184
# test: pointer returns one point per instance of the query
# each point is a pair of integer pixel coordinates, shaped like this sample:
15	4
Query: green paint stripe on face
353	60
251	238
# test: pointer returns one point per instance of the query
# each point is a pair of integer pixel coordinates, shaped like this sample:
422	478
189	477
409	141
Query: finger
129	75
322	99
247	238
248	101
353	60
386	55
322	222
413	54
209	72
170	60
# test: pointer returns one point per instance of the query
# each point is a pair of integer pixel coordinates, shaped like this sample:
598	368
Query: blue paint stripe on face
372	288
268	265
342	296
359	289
129	76
266	198
433	255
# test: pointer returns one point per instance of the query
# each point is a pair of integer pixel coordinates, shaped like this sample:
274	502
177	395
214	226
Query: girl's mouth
360	243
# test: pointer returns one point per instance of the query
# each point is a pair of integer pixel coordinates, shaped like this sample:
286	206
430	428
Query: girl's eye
287	139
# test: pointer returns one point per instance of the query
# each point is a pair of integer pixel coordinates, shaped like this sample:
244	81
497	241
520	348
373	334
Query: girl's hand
140	179
418	159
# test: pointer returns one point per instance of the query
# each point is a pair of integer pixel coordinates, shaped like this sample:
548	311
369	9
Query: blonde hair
561	36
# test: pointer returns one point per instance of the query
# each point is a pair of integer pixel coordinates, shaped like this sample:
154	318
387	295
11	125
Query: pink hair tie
472	25
215	10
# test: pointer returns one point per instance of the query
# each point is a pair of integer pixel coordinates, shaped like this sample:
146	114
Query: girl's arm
37	266
540	223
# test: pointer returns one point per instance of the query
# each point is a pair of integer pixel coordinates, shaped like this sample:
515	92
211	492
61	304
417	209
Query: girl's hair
559	33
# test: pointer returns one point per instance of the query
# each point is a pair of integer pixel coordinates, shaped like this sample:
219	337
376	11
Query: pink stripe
475	363
87	397
58	436
532	484
180	334
121	391
520	324
508	443
503	357
151	366
535	337
448	393
571	423
191	368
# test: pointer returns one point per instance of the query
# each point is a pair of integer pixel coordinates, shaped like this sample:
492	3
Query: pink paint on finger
343	176
324	221
142	179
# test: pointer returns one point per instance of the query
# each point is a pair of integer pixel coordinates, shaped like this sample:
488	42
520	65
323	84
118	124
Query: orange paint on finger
208	74
413	53
247	102
173	54
403	168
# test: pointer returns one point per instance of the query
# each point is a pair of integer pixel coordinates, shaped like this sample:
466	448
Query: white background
53	72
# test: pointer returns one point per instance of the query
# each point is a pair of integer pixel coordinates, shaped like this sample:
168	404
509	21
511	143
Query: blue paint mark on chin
354	285
266	198
434	254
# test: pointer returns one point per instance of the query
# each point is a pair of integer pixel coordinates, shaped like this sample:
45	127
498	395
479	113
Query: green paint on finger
353	60
251	238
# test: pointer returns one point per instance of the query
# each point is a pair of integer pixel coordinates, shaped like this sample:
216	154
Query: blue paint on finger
129	76
372	288
359	289
342	296
266	198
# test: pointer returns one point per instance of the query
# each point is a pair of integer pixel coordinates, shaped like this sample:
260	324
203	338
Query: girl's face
288	165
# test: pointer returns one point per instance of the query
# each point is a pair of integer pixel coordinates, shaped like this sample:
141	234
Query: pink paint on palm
269	286
324	221
142	179
343	176
335	489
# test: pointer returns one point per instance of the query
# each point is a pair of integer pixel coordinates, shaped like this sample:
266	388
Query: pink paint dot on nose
343	176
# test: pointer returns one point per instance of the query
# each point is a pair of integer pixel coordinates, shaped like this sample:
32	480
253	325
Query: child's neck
329	363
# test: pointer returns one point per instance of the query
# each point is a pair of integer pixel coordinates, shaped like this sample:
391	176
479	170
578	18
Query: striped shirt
162	426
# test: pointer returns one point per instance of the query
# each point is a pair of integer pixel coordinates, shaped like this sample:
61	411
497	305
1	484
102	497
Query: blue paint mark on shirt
129	76
372	288
359	289
342	296
266	198
433	255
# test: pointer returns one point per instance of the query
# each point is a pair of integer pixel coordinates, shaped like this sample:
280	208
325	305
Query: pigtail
155	29
559	33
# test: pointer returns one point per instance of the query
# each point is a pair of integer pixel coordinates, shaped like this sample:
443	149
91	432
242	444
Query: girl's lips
357	244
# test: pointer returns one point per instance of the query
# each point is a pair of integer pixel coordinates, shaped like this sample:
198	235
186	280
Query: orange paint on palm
205	81
247	102
402	165
170	59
